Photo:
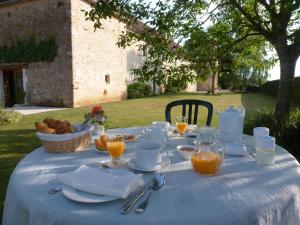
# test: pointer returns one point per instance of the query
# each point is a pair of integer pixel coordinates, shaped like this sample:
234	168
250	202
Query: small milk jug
231	123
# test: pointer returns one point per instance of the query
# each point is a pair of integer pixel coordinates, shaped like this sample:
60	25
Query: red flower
96	109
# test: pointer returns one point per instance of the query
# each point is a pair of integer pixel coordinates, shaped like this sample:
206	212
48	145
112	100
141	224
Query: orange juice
115	149
181	127
205	162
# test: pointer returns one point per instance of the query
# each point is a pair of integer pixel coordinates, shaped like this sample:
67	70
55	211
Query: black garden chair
190	103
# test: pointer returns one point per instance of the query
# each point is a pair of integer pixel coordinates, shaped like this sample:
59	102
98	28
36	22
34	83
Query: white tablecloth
241	193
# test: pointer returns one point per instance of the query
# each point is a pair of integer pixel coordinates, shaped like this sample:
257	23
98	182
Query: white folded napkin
118	183
236	149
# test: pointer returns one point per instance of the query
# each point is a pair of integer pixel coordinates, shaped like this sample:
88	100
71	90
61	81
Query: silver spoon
157	183
55	190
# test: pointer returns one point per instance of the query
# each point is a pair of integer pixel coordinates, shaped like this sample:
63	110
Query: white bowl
187	155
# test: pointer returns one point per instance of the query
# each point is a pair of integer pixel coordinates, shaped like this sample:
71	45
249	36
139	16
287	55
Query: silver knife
128	206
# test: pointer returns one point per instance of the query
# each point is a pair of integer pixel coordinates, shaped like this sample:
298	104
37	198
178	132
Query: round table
241	193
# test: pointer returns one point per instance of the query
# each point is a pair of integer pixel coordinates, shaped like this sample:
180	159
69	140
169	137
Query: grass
19	139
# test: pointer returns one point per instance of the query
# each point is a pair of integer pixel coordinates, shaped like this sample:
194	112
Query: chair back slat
183	110
190	103
190	114
196	114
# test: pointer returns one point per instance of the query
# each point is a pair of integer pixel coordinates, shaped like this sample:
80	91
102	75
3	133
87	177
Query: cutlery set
155	184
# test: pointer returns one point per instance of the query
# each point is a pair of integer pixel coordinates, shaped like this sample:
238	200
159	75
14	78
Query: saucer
164	162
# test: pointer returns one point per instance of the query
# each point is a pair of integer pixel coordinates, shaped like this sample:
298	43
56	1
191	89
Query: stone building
88	68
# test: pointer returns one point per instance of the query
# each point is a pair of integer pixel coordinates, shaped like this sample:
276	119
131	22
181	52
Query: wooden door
19	91
13	87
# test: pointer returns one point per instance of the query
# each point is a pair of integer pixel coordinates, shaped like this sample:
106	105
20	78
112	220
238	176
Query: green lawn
19	139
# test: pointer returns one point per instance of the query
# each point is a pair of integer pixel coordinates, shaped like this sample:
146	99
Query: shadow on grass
253	102
14	145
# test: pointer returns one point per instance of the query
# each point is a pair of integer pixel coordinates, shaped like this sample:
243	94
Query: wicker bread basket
66	143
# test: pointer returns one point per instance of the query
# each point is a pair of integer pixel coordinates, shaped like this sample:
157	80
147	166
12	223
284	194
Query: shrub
292	133
175	86
252	88
9	117
271	88
262	118
289	137
138	90
172	90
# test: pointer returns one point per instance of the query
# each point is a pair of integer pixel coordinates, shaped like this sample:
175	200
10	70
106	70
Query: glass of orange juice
208	162
115	146
181	125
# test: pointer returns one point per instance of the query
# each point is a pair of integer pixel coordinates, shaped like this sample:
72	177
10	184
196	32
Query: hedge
271	88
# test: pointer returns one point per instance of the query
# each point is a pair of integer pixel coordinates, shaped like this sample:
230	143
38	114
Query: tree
277	21
222	56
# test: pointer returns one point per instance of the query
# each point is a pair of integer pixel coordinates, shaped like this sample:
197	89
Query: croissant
52	126
40	126
47	130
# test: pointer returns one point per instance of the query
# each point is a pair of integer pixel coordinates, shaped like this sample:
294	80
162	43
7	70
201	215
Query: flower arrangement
96	116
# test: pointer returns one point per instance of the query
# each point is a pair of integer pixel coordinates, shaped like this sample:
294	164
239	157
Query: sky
275	71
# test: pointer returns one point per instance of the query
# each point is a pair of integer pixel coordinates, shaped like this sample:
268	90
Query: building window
107	78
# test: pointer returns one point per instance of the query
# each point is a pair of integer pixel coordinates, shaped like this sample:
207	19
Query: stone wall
96	56
49	83
207	84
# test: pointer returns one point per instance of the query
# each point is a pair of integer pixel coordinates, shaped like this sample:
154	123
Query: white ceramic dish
84	197
132	140
186	154
164	162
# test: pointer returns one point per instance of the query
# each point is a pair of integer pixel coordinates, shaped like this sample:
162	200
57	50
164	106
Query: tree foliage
246	22
29	50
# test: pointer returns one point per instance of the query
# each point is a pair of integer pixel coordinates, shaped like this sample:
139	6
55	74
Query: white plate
164	162
84	197
132	140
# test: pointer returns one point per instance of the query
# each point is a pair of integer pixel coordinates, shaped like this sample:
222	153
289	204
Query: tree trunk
213	80
287	73
153	86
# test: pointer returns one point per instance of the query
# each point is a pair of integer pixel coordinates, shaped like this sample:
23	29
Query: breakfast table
242	192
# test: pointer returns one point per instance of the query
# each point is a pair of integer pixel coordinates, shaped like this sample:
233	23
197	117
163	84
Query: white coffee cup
147	154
